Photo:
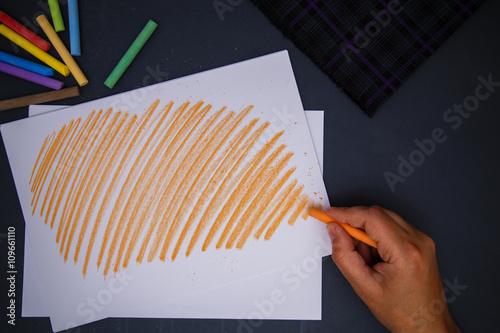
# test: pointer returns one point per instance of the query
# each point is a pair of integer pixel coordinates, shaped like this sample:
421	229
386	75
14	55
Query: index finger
379	225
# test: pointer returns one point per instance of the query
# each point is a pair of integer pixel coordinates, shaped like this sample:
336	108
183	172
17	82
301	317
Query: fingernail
331	231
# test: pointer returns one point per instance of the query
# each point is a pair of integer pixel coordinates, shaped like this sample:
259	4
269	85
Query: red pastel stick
23	31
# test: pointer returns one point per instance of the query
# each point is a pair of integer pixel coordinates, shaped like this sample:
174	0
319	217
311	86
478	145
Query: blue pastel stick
74	27
26	64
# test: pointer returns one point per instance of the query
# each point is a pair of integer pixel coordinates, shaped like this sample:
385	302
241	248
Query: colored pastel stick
31	48
62	50
25	32
55	11
130	54
26	64
353	232
74	27
39	98
30	76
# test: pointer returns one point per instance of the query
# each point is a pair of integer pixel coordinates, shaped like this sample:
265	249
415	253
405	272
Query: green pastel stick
55	11
130	54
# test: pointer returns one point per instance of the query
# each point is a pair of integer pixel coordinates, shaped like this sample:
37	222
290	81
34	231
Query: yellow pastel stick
62	50
31	48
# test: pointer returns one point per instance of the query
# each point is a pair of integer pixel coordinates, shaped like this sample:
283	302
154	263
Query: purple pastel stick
30	76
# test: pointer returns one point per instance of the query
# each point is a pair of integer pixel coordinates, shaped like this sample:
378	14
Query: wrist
444	324
449	325
439	324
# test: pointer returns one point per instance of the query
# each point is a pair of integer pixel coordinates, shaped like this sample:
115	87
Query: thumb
348	260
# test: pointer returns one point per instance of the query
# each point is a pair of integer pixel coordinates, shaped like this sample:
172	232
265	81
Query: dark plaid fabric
368	47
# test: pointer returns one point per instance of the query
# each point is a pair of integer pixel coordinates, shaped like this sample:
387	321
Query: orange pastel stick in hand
354	232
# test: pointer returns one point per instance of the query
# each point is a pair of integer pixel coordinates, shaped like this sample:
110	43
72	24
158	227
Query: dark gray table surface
452	194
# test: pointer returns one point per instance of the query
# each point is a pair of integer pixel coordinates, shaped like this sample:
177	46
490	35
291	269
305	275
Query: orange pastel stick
354	232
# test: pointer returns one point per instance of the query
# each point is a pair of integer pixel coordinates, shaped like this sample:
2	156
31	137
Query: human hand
399	281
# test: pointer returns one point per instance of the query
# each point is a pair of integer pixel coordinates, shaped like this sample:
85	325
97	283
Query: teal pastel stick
74	27
130	54
26	64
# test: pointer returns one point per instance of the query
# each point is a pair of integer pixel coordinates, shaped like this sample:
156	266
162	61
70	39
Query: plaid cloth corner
368	47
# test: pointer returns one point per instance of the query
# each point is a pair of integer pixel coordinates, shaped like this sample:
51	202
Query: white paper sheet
302	296
268	84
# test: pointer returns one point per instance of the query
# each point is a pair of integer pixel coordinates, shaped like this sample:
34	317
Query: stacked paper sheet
149	201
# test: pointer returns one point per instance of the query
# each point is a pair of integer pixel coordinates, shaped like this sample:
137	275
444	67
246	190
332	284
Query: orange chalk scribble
124	186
